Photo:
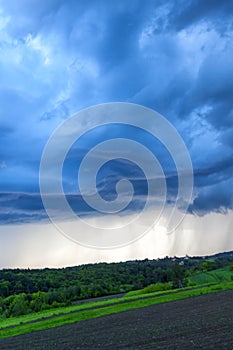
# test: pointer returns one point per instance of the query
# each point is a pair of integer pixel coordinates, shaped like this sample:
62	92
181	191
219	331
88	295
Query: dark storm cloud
213	89
176	57
20	208
214	198
185	13
218	172
24	208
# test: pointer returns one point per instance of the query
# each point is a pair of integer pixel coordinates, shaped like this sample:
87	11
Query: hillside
203	322
26	291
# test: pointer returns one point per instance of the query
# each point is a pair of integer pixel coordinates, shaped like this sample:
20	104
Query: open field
203	322
93	303
215	276
72	314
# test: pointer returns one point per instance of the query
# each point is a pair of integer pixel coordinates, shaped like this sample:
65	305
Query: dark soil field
204	322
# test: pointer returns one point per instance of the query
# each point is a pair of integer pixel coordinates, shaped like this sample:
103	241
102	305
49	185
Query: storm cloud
58	57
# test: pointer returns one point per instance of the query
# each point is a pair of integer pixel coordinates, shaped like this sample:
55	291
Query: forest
24	291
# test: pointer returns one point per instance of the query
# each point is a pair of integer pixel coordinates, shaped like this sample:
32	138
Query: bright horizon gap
39	246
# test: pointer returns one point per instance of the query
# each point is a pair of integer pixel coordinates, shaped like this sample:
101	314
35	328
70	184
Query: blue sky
58	57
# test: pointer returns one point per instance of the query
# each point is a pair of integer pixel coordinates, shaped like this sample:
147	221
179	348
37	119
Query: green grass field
129	297
215	276
222	275
57	317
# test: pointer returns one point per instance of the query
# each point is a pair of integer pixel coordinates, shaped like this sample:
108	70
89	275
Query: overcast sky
58	57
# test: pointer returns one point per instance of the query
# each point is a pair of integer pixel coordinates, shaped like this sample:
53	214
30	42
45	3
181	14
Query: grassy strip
141	292
36	316
94	313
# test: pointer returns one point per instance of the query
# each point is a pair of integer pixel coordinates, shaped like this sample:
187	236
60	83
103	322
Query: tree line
30	290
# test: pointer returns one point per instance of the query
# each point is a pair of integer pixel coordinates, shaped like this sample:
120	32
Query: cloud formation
58	57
